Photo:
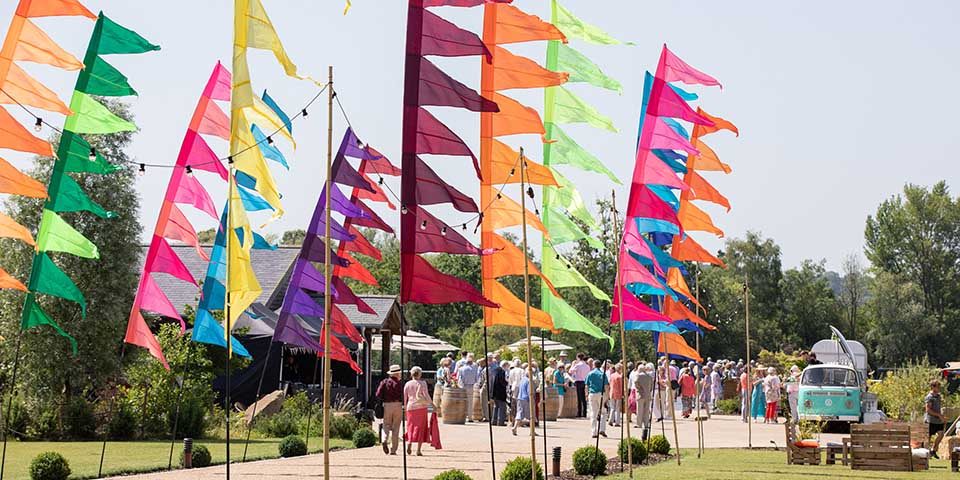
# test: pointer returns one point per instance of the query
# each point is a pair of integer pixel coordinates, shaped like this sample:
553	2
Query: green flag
566	318
56	235
107	81
90	116
572	109
565	151
115	38
563	230
567	196
583	70
573	27
34	316
49	279
564	276
74	152
70	197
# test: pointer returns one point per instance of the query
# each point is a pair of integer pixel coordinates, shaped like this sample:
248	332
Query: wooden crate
799	455
882	446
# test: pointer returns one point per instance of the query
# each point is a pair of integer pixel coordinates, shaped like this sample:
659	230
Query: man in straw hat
390	392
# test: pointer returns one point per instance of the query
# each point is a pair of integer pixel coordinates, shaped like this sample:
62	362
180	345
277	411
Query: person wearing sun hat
390	392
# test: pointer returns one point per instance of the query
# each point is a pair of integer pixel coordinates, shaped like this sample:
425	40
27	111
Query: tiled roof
269	265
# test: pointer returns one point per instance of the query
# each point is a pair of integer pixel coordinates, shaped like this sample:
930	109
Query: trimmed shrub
364	437
589	460
659	444
453	475
729	406
638	451
281	424
519	469
343	426
292	446
123	425
49	466
79	420
201	457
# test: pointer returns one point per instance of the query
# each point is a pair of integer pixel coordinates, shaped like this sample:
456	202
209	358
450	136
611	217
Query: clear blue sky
839	103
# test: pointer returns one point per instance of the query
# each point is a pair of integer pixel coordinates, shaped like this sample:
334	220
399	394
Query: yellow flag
242	285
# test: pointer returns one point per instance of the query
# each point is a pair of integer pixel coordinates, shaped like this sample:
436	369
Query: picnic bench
881	446
797	453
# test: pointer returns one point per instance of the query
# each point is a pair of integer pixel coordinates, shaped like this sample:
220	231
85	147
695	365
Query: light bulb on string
37	127
189	171
143	170
423	226
403	209
443	231
269	140
303	113
93	155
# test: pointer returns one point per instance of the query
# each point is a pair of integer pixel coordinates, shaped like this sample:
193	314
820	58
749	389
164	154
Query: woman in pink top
616	395
688	391
416	398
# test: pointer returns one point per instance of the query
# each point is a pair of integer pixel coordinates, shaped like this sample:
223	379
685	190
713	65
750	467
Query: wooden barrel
552	400
569	403
478	400
454	406
437	394
729	388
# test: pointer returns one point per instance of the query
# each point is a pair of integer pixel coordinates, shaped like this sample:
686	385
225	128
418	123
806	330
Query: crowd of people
604	391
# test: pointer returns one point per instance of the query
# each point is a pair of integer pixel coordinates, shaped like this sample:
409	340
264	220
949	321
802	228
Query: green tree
808	306
208	236
293	238
108	283
899	328
917	235
756	260
853	290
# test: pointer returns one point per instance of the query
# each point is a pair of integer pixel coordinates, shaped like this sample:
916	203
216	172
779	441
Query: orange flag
508	260
707	160
687	250
512	310
678	311
15	137
673	344
678	284
700	189
355	270
11	229
15	182
503	212
505	168
54	8
28	91
9	283
514	118
35	46
718	124
695	220
514	26
514	71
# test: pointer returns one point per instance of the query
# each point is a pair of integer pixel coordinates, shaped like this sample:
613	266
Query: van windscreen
829	377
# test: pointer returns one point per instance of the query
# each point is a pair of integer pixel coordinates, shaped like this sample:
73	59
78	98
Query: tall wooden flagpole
327	301
749	392
526	301
624	411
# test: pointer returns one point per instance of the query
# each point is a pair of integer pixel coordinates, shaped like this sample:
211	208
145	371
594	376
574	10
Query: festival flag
675	346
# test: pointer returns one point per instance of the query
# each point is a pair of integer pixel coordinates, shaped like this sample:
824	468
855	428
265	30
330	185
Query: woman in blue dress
758	403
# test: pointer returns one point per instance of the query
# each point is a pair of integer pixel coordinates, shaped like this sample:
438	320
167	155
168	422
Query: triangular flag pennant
49	279
90	116
34	316
56	235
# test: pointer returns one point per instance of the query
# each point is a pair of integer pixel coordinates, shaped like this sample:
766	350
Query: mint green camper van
834	390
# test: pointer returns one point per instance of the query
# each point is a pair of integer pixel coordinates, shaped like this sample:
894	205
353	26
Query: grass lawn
130	457
735	464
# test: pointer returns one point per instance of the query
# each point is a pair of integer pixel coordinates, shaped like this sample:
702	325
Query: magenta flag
644	203
432	190
371	220
632	271
665	102
219	85
664	137
651	170
428	285
444	39
435	236
672	69
167	261
441	90
154	300
435	138
196	153
633	242
190	192
633	310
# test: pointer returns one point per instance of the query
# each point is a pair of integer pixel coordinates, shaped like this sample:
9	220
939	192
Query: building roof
269	265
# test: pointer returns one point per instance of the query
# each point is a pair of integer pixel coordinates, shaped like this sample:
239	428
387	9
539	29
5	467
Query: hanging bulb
189	171
423	226
93	155
512	171
464	227
37	127
143	170
230	159
499	196
558	256
303	113
403	209
530	192
443	231
380	180
536	211
269	140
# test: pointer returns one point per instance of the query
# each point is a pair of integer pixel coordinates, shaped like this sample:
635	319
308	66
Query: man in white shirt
579	371
514	378
467	376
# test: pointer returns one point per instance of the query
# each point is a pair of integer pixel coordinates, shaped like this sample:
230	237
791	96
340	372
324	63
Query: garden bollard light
187	453
556	461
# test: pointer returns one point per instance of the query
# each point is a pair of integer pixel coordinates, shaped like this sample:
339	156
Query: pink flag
665	102
219	85
633	310
634	243
138	333
154	300
166	260
190	192
650	170
644	203
179	228
672	68
198	155
215	122
664	137
632	271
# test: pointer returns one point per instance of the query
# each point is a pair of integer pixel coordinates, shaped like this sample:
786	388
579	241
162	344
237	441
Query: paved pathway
466	447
